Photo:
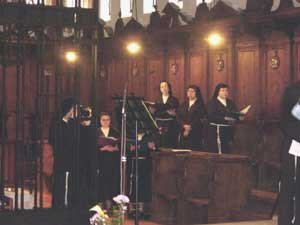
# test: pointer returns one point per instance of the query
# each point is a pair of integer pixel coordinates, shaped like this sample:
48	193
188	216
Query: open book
245	110
104	141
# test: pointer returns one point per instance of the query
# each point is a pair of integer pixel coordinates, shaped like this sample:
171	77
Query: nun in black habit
222	114
165	115
63	140
108	161
190	117
289	201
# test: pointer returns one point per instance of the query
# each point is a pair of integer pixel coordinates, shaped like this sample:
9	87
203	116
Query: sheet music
295	148
296	110
245	110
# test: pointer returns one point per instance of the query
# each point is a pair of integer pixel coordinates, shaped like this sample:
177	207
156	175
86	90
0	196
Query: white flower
121	199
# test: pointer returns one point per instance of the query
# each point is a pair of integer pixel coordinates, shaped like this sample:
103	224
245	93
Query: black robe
168	123
216	115
62	138
109	170
88	165
193	116
289	188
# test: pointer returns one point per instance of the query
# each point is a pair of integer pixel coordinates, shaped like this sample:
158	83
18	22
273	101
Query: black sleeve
215	115
218	116
174	103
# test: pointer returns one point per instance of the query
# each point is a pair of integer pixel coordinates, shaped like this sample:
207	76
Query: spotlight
133	47
215	39
71	56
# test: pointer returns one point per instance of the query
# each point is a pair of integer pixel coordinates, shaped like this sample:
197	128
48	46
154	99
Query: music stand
138	120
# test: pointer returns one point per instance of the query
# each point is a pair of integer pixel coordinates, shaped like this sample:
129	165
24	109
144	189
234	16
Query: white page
245	110
296	111
295	148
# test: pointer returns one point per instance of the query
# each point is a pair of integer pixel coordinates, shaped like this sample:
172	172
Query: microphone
296	110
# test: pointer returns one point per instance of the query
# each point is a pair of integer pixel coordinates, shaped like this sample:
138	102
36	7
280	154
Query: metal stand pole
123	144
136	222
123	150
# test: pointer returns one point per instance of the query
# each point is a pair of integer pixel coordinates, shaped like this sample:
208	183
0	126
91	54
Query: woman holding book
190	117
165	115
222	115
109	160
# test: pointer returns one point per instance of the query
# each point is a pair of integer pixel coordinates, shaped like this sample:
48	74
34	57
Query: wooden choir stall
198	187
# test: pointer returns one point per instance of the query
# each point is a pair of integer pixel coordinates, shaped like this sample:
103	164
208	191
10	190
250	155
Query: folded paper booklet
295	148
245	110
104	141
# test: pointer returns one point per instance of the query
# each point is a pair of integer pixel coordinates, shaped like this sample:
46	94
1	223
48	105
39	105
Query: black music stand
138	120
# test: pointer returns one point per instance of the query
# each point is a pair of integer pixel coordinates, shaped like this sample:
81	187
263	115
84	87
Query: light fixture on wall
220	62
174	68
71	56
215	39
133	47
275	60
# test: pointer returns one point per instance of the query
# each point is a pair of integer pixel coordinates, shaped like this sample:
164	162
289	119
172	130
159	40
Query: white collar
192	102
105	131
165	98
223	101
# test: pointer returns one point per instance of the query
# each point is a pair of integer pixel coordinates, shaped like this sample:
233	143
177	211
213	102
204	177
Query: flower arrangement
100	217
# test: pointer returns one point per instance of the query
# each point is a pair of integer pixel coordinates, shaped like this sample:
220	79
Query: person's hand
152	109
151	145
110	148
104	148
132	147
187	127
171	112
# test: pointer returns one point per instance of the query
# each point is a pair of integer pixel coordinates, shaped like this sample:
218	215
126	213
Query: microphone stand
136	221
123	143
123	160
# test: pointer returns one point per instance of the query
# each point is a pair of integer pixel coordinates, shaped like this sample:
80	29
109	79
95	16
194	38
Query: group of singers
184	126
87	159
87	169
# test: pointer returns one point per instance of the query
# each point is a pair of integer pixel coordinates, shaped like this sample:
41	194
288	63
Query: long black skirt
109	175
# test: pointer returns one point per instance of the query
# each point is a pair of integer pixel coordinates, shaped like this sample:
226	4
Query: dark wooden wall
247	56
247	70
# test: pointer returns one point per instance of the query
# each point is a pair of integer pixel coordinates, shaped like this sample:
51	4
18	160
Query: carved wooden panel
154	76
277	71
277	79
176	76
198	74
136	76
116	77
247	81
